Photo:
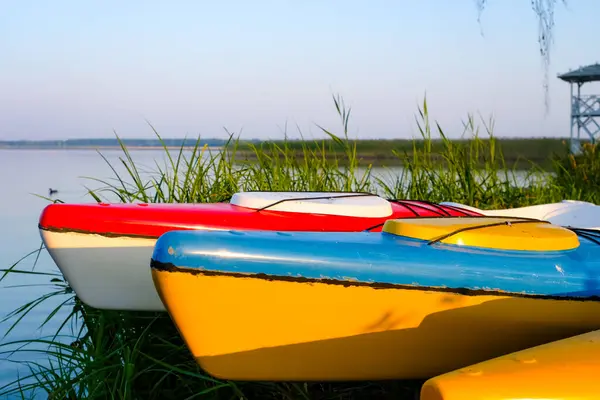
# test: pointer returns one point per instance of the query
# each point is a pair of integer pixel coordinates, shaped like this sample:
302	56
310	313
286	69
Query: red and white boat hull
104	250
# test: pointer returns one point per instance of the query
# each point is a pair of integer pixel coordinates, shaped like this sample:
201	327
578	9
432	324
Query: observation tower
585	108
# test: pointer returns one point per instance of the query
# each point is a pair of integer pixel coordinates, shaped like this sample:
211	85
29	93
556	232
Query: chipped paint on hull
352	282
384	259
86	240
245	328
117	234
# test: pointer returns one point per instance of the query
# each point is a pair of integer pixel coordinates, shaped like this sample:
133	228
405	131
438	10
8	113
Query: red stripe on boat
152	220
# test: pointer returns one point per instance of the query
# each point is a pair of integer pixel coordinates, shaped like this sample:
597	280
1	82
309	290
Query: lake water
23	174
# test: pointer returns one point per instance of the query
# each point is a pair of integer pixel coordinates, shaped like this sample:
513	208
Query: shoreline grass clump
100	354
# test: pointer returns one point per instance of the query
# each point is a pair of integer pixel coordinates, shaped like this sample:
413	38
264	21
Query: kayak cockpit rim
350	204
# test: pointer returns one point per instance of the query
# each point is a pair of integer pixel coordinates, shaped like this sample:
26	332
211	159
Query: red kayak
103	250
152	220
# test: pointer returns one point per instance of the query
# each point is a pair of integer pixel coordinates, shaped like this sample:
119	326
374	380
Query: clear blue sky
83	68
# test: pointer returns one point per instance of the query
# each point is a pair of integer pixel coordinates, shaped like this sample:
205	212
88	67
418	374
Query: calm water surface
25	173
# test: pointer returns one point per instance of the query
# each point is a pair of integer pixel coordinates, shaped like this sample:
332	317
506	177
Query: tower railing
585	108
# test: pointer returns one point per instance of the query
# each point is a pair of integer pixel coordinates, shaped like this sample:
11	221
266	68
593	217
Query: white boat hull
110	273
571	213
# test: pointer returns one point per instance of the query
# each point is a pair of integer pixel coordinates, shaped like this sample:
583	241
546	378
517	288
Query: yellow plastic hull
568	369
250	328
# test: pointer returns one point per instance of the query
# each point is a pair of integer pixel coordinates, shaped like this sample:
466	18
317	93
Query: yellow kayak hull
264	328
568	369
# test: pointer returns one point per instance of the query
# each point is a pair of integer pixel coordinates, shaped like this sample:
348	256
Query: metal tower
585	109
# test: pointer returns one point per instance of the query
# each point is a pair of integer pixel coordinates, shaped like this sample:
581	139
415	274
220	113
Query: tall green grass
133	355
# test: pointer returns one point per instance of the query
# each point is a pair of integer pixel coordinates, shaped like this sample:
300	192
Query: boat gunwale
98	233
172	268
56	229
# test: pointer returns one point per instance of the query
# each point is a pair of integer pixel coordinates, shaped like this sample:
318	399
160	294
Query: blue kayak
421	297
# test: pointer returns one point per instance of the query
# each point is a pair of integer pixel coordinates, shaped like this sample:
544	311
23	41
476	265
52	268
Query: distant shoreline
517	152
384	145
110	144
104	148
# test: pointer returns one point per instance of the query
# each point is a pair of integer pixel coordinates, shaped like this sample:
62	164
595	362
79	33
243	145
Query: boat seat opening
353	204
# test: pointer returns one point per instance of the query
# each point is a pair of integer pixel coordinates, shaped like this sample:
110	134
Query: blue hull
383	259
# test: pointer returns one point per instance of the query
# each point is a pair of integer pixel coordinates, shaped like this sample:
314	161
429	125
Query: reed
133	355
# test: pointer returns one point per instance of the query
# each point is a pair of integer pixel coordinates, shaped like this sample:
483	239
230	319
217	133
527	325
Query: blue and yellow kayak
423	297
